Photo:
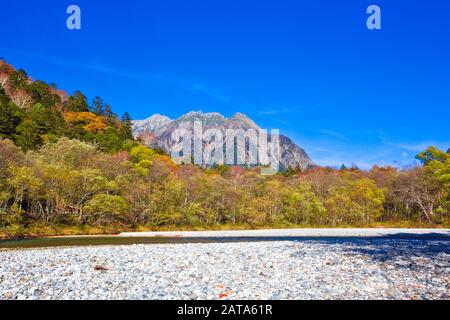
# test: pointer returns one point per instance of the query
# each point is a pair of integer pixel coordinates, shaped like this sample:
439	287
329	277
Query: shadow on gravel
407	252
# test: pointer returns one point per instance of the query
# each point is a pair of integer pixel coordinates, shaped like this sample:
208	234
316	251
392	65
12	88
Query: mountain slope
33	112
157	130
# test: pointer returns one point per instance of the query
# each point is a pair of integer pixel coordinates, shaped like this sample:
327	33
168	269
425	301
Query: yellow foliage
91	121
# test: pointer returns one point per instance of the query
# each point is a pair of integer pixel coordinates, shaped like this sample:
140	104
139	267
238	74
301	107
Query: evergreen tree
98	106
40	92
19	79
77	102
28	136
10	116
127	126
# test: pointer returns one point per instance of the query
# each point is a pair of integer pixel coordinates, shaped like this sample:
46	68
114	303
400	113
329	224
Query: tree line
73	183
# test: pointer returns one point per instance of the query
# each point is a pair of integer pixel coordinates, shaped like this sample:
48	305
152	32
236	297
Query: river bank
42	230
316	269
167	237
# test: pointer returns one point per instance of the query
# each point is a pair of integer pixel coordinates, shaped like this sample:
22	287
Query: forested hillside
33	113
69	166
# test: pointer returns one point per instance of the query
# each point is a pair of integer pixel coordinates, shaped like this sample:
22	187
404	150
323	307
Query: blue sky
310	68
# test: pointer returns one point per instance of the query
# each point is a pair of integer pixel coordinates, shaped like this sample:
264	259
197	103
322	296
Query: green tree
434	195
106	209
109	140
10	116
77	102
28	135
39	125
98	106
41	93
432	154
19	79
127	127
47	119
9	155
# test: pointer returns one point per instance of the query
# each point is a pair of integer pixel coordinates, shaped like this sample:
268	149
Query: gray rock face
157	130
155	124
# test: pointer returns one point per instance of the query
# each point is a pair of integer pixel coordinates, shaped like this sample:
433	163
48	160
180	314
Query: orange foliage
91	121
168	162
6	68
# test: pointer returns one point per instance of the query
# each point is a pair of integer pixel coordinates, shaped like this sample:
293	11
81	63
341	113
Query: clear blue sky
310	68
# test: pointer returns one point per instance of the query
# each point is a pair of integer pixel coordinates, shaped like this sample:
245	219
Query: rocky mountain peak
239	115
153	124
157	131
241	120
201	116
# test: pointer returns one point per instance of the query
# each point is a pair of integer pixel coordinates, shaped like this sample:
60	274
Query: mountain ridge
156	131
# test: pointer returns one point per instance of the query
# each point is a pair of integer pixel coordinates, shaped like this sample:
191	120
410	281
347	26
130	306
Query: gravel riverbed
316	269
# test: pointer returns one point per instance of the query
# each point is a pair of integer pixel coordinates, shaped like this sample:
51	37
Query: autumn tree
356	202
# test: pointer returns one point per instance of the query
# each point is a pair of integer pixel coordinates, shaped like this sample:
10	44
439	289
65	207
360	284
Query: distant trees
77	103
101	108
302	206
127	128
18	79
420	191
42	93
433	192
69	182
38	126
356	202
10	116
433	154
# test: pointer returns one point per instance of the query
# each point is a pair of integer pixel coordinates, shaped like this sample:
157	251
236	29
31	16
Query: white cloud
332	134
419	146
275	111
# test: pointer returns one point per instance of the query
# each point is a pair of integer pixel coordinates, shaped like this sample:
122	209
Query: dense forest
70	166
